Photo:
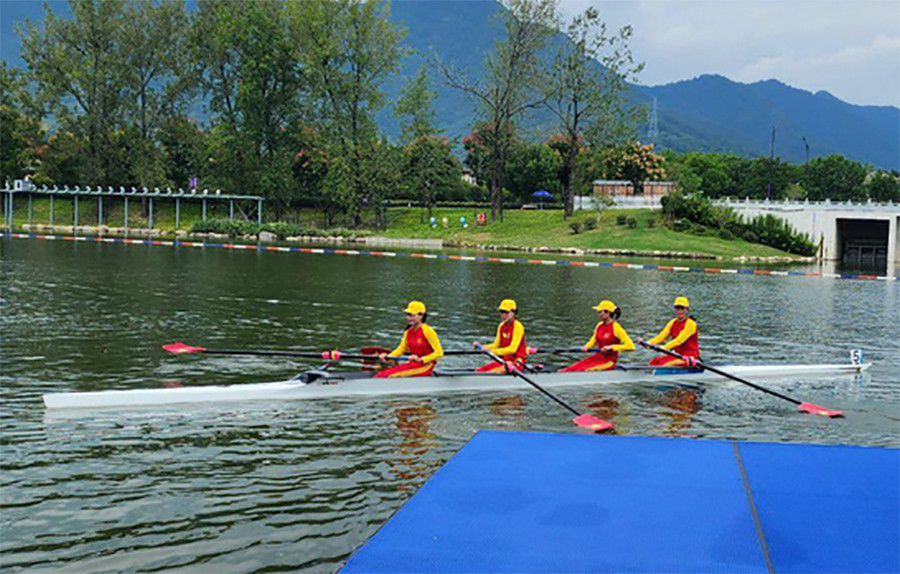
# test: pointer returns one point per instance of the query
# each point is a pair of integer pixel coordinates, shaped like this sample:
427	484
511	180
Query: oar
806	407
377	350
181	348
584	421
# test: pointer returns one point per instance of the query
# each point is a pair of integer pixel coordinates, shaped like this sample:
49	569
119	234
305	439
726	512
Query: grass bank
526	229
535	228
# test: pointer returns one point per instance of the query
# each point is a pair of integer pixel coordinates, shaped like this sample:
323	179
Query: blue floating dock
529	502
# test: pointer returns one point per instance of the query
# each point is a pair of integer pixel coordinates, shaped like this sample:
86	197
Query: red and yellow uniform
421	341
509	344
684	334
605	334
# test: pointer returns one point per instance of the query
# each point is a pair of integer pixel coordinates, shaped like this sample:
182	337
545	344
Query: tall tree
585	92
158	78
249	71
505	91
431	169
347	49
78	72
21	134
414	108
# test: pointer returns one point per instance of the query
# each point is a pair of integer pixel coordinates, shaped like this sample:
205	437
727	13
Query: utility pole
771	164
806	143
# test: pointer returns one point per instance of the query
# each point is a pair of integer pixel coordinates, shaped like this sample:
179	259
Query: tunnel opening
863	242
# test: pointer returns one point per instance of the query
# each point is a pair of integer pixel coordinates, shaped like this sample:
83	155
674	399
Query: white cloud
850	49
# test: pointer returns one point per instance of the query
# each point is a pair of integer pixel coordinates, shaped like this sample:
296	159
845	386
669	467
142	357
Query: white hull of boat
338	387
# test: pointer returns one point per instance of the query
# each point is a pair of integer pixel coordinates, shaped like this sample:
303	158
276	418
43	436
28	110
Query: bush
681	225
651	223
576	227
632	223
230	227
590	223
621	220
726	234
282	229
699	230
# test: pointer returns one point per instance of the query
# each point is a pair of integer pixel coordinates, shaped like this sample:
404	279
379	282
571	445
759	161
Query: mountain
709	113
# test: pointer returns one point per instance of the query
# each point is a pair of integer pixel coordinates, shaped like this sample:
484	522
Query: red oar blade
180	348
593	423
817	410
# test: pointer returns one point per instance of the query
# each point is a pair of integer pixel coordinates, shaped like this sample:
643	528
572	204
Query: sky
849	48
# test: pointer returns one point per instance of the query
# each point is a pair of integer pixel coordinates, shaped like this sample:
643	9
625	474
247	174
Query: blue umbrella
542	195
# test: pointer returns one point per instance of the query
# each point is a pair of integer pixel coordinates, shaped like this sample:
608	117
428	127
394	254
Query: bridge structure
859	233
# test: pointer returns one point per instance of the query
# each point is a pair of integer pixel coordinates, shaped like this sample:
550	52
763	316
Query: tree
249	72
532	167
78	71
414	108
505	90
637	163
21	136
431	169
157	75
585	92
882	186
835	177
347	49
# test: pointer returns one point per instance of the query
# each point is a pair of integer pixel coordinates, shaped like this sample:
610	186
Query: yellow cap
682	302
415	307
507	305
605	305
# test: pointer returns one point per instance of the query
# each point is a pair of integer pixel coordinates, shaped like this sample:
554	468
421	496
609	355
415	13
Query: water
299	485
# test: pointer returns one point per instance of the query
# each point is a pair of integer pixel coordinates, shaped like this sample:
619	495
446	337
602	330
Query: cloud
851	49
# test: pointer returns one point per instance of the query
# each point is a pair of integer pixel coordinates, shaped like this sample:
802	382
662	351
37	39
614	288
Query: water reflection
680	405
411	465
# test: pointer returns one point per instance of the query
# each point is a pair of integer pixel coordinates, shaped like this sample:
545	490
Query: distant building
621	187
468	176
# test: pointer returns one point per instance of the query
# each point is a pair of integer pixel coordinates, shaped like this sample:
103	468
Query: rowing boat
325	384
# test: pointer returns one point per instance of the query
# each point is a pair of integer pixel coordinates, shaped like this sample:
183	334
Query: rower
609	339
420	341
684	334
509	344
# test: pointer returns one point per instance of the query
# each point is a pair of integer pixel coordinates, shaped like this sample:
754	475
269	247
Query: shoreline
437	244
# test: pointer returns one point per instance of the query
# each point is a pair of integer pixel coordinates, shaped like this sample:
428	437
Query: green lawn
519	228
534	228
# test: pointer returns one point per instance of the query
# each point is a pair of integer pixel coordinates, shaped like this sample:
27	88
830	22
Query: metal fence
27	190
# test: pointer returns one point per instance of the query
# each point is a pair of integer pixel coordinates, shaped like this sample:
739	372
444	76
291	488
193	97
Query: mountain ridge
708	113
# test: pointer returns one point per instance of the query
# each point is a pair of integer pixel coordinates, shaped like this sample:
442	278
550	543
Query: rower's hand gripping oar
806	407
181	348
584	421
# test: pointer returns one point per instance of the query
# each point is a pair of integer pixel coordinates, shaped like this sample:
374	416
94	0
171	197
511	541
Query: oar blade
817	410
180	348
593	423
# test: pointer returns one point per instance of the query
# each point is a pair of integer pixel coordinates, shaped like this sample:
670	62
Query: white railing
807	205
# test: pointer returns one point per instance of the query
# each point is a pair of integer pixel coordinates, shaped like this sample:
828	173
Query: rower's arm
517	335
690	327
496	344
663	335
401	348
432	338
625	343
593	341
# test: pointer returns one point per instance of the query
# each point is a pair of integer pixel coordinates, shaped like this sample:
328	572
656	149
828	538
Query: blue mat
526	502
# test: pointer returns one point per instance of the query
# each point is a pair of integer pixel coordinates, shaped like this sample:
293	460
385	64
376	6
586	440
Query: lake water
299	485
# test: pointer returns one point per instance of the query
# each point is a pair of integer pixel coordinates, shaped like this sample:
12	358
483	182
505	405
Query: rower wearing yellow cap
683	332
609	339
420	341
509	344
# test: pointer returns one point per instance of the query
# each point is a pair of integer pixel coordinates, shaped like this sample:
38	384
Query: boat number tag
856	356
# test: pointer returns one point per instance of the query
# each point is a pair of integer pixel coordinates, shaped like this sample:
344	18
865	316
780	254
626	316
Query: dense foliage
695	213
292	89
